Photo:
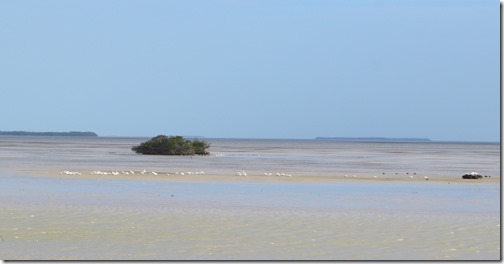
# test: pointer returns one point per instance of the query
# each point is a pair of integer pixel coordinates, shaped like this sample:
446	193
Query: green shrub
177	145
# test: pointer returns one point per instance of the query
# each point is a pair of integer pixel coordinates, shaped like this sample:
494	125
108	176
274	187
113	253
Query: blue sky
252	68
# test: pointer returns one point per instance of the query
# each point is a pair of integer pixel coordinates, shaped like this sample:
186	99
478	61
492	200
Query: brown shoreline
254	178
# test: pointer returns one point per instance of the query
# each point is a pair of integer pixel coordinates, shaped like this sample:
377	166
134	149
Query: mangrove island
175	145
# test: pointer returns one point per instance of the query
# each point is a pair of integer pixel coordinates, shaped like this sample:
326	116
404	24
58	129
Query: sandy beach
50	215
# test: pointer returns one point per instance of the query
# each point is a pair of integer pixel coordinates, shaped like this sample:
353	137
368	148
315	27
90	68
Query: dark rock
472	175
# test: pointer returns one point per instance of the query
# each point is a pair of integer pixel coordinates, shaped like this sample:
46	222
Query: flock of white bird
97	172
277	174
70	172
375	177
239	173
243	173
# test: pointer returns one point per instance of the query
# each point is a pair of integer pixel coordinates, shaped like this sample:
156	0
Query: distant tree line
66	134
374	139
175	145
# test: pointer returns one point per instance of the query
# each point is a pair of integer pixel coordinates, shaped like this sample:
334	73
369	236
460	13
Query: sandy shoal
86	174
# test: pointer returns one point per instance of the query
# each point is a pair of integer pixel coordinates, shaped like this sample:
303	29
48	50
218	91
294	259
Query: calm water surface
297	157
58	218
50	218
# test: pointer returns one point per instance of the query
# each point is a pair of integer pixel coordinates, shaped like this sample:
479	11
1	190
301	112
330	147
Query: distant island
373	139
65	134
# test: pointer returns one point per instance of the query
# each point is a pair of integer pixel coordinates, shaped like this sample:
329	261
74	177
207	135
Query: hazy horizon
321	138
253	68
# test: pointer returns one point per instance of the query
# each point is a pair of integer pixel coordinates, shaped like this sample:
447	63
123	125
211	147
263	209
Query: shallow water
296	157
398	196
133	218
118	219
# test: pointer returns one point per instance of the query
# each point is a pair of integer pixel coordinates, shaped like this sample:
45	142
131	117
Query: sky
294	69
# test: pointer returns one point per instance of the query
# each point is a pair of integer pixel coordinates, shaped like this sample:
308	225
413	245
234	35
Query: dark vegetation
65	134
176	145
